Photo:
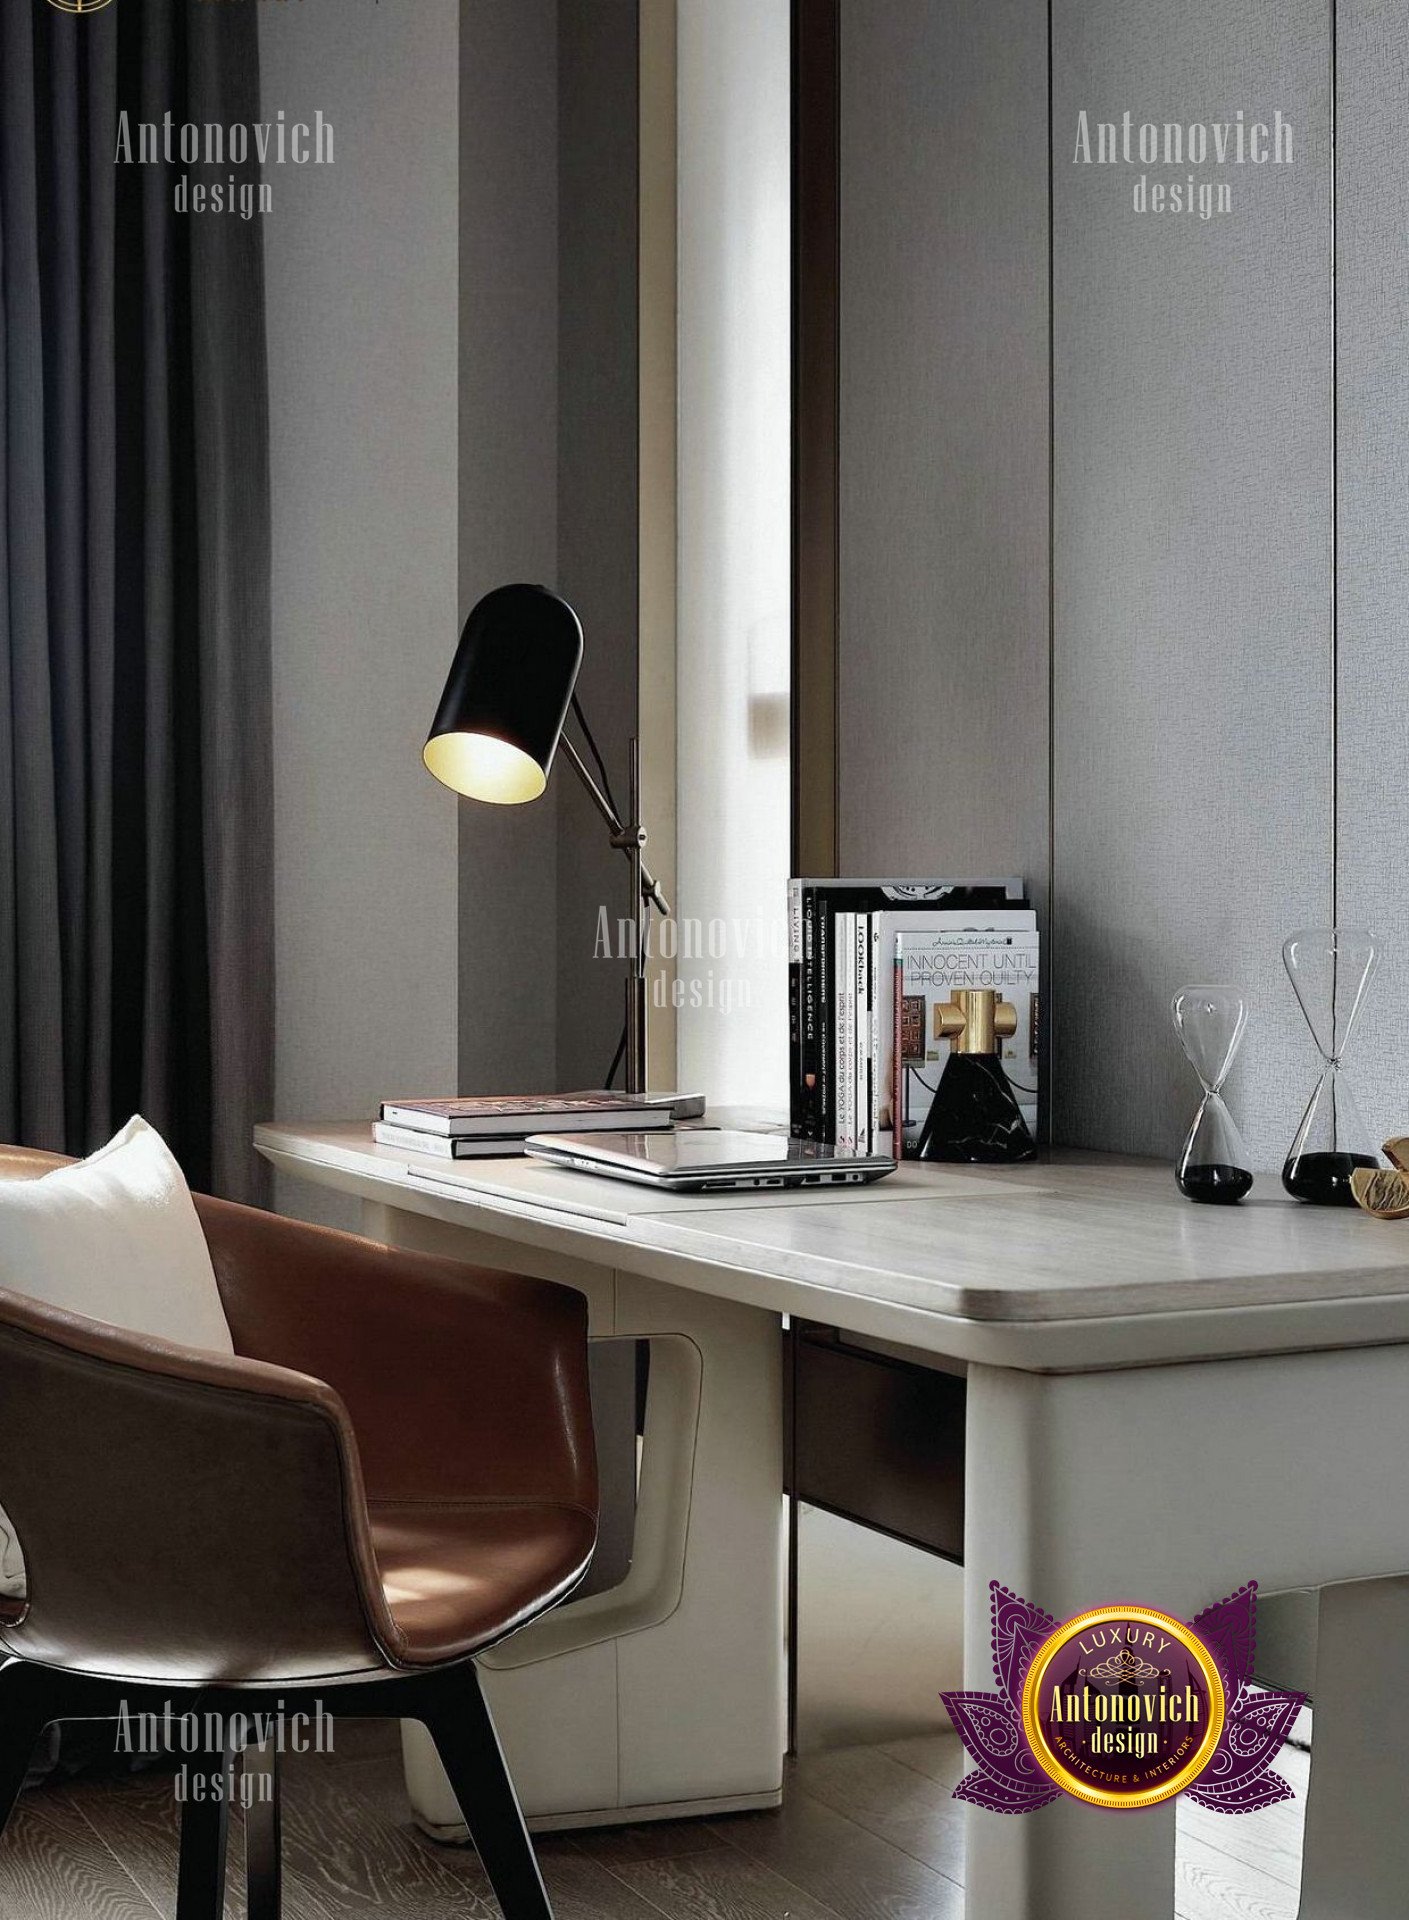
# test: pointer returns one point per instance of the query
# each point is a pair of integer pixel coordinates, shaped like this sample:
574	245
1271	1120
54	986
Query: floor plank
1270	1840
890	1799
53	1866
720	1884
1210	1885
653	1840
857	1874
940	1757
864	1834
350	1839
137	1818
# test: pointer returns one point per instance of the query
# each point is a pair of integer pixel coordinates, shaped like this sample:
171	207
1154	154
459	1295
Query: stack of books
487	1126
867	962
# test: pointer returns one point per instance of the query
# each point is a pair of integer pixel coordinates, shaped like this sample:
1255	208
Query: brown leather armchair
394	1472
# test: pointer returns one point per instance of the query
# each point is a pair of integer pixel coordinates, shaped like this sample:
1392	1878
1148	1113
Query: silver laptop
709	1159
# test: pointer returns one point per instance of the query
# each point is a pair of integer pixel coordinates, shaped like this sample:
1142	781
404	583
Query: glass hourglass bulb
1330	969
1213	1163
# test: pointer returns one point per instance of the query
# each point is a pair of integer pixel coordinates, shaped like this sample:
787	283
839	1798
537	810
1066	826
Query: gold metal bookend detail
1382	1192
975	1020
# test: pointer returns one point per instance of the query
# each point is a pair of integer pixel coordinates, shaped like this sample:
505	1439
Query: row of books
869	961
490	1127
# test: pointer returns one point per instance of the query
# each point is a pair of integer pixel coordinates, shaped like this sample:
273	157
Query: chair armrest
462	1382
184	1515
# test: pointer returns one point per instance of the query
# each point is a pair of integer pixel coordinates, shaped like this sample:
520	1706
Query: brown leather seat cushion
28	1163
458	1575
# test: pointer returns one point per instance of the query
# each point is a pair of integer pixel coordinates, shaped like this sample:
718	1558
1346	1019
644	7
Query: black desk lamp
499	722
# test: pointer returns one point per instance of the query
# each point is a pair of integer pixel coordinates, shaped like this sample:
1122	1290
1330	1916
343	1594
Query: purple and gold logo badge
1123	1706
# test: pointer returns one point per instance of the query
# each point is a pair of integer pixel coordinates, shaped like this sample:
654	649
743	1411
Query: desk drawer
877	1440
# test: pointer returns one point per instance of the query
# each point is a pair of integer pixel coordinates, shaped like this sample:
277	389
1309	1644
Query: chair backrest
183	1516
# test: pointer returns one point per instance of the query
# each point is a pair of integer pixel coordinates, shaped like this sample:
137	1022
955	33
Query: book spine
825	971
795	1080
877	999
843	1004
860	950
433	1124
811	1092
387	1134
897	1062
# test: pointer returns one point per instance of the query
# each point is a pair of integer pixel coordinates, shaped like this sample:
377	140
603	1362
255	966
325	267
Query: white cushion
117	1238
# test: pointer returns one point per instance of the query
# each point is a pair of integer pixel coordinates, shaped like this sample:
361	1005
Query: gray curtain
135	783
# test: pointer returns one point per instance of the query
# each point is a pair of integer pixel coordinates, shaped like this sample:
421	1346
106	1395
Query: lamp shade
507	695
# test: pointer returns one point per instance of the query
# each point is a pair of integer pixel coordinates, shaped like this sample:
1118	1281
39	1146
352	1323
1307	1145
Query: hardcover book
812	908
973	925
489	1114
445	1146
927	969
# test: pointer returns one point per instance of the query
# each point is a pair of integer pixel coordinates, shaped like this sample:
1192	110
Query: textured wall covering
1373	298
548	448
943	472
1192	721
508	522
1192	590
598	505
363	344
943	427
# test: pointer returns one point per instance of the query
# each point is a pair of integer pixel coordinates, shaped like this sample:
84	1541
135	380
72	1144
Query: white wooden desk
1163	1401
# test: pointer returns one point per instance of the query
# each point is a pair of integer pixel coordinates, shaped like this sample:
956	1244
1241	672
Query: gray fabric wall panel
1373	297
943	692
1192	641
598	118
548	453
508	507
362	340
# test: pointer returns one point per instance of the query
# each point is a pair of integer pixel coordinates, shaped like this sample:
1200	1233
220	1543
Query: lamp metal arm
629	839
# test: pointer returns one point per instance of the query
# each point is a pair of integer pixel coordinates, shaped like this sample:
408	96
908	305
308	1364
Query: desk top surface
1077	1260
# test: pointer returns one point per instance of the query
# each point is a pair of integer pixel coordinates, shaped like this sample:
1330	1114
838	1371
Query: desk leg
1066	1861
664	1694
1356	1864
1174	1485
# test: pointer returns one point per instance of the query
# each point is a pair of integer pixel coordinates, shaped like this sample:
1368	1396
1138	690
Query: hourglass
1213	1165
1330	969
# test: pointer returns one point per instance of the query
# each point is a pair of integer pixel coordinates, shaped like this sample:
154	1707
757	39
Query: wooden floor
867	1834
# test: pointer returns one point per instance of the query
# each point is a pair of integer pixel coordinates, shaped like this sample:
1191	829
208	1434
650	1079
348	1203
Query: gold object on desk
1384	1192
1396	1151
974	1020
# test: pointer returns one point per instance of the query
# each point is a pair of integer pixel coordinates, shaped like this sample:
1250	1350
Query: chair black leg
469	1751
22	1720
263	1836
205	1785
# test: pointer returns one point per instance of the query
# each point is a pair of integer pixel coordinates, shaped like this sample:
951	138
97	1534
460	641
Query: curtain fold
136	892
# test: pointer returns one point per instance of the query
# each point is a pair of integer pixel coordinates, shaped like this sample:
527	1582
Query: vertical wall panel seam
1050	1048
836	256
1334	193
